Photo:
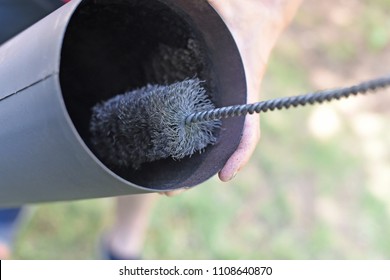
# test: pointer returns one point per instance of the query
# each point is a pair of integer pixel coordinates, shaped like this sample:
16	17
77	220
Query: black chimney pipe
86	52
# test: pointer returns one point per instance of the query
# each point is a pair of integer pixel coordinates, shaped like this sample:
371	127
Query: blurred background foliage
318	186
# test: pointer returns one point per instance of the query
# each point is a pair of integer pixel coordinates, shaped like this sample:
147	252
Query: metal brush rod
287	102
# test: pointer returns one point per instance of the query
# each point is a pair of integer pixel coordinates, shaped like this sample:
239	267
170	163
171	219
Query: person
255	26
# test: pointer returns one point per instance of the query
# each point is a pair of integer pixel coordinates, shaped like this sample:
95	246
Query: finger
173	193
249	140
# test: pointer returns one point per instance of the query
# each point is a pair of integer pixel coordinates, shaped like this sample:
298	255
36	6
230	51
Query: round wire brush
177	120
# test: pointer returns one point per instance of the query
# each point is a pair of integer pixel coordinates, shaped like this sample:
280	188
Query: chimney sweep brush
178	120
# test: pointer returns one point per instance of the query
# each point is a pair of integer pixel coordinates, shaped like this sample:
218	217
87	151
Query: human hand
255	26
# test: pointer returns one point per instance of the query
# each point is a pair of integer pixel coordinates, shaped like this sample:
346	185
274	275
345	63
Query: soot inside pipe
112	47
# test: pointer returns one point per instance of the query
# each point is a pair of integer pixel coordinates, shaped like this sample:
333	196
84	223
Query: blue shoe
107	254
9	224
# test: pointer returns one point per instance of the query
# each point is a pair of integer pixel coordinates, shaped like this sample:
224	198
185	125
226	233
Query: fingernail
234	175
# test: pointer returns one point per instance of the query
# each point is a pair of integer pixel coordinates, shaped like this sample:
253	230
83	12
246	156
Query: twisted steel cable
287	102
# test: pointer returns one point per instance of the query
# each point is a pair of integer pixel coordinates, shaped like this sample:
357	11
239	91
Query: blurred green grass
302	196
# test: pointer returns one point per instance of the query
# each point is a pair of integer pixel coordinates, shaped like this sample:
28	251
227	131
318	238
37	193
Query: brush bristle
148	124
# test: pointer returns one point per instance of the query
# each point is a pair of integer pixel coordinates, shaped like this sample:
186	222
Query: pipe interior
111	47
